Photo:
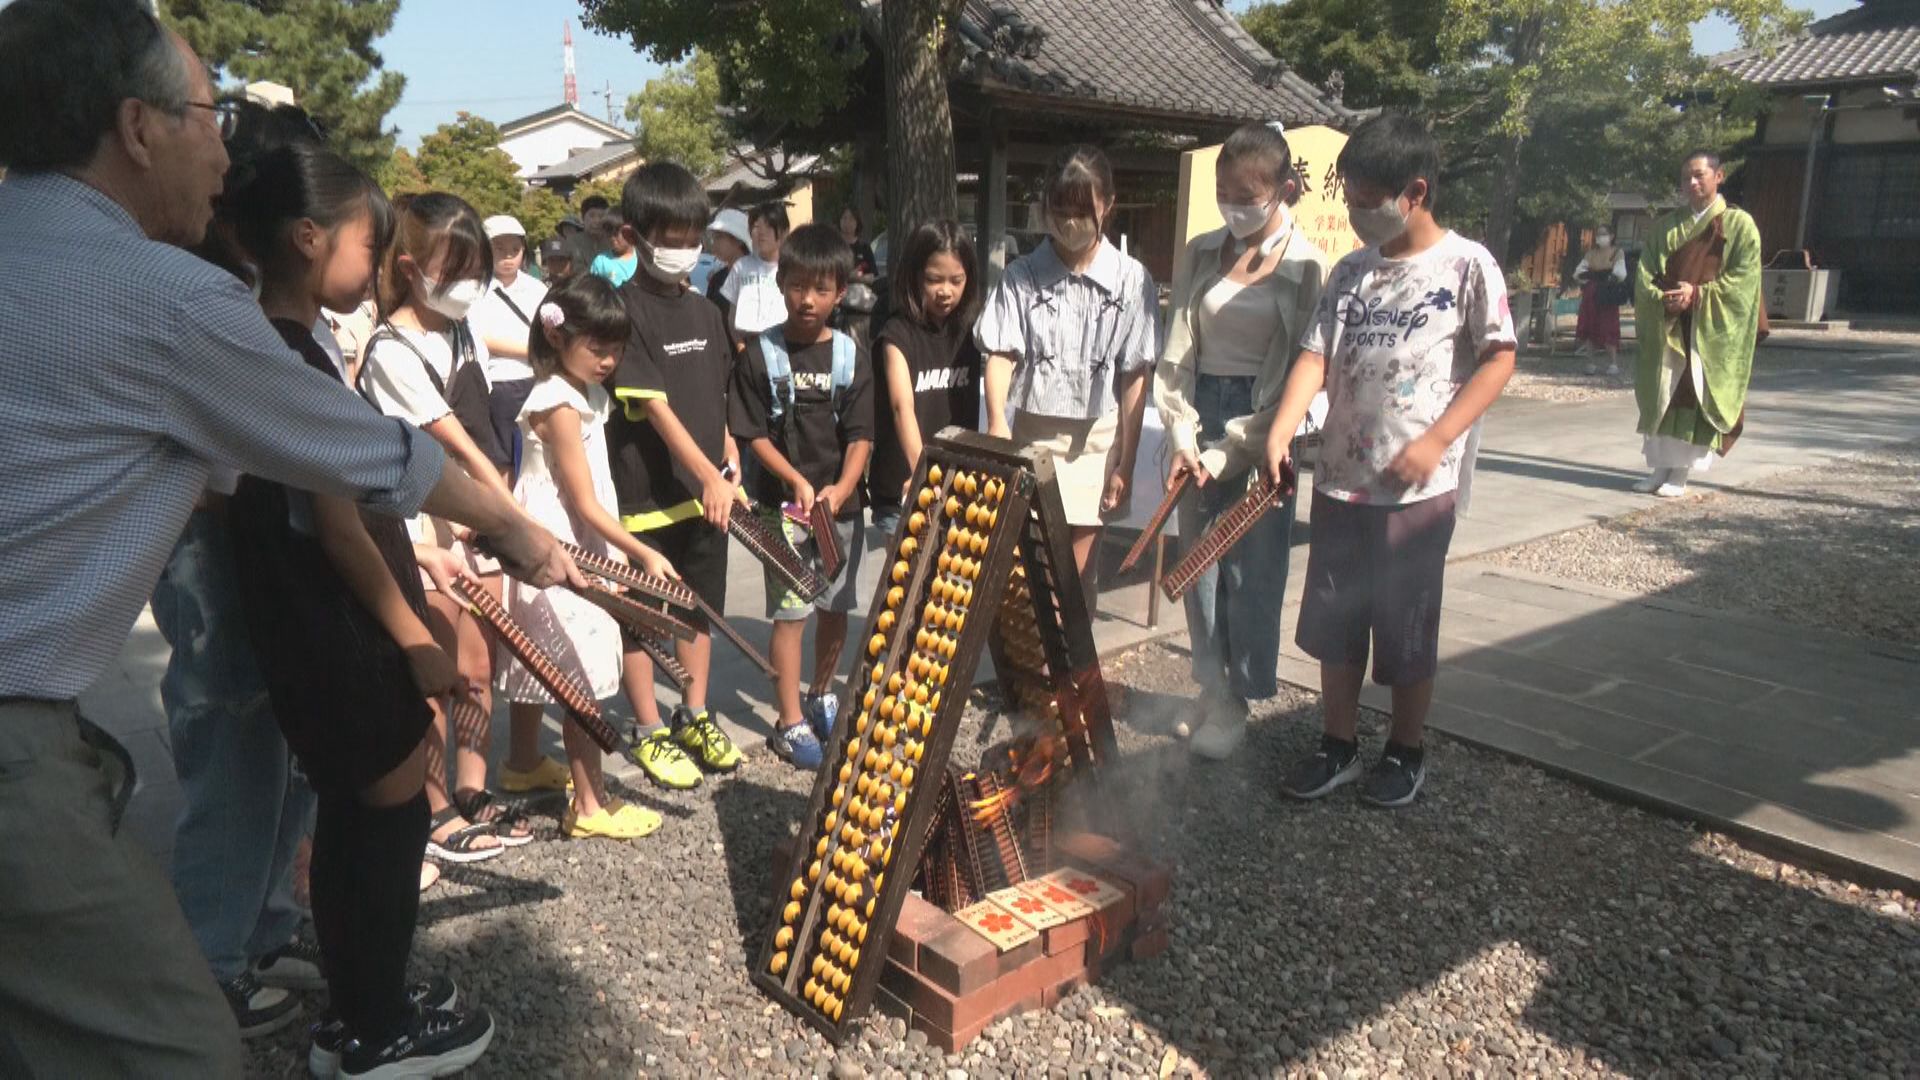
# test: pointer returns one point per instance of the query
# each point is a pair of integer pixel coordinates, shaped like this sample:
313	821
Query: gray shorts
785	605
1377	571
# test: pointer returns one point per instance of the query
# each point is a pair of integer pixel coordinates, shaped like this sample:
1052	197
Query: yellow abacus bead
896	771
917	522
813	872
944	562
783	937
933	705
895	595
812	990
866	702
906	774
925	498
860	722
820	849
900	800
920	638
877	646
908	547
895	682
878	670
833	819
885	622
953	536
791	912
778	964
973	513
887	737
988	517
861	934
953	506
900	571
798	890
864	784
933	472
980	545
819	966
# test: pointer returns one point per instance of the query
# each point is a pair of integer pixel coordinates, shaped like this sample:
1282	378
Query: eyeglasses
226	115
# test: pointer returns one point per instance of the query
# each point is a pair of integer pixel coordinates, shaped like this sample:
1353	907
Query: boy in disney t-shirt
1412	341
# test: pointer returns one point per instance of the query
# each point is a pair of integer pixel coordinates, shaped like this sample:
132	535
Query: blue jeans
1233	610
246	809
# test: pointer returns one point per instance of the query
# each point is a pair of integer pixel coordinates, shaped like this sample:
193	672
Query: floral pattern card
1087	886
997	925
1027	908
1068	903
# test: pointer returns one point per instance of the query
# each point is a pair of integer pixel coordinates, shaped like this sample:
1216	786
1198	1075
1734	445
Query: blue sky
501	58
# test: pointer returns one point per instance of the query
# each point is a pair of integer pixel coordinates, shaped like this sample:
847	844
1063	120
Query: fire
1031	766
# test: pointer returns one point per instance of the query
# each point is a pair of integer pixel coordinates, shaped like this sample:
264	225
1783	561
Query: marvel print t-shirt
1401	336
678	351
945	366
812	438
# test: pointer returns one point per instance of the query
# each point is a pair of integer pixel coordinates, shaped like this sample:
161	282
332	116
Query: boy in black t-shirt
668	441
811	433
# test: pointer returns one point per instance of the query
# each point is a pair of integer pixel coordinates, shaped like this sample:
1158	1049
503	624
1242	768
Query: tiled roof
1880	40
1178	58
585	163
557	112
749	167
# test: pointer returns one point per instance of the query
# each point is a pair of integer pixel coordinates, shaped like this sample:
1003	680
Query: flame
1032	766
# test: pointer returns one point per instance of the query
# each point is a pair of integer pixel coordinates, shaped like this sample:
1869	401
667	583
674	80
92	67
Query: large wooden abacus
771	547
580	706
980	514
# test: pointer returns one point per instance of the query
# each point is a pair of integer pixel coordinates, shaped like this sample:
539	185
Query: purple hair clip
551	315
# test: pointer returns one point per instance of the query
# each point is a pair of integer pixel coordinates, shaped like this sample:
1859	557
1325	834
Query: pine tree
321	49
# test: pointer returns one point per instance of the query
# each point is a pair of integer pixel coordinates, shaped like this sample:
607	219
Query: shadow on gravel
752	819
1608	932
1576	475
492	891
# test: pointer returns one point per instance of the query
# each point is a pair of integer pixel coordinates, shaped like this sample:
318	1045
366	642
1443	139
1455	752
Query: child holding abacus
334	606
566	483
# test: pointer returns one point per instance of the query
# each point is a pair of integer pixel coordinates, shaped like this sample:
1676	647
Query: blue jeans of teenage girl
1233	610
245	808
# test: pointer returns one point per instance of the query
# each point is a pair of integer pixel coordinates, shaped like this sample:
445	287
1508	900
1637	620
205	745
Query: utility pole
608	95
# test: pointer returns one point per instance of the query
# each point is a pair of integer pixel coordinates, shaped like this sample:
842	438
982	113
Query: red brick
948	1012
1069	935
1019	957
951	1042
1151	881
1150	944
887	1003
1088	849
919	922
1108	930
957	959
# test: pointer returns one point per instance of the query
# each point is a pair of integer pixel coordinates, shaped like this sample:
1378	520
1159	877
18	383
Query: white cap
500	225
734	223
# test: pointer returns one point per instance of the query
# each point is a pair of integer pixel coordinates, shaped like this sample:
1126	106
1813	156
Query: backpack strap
844	355
501	292
773	348
388	333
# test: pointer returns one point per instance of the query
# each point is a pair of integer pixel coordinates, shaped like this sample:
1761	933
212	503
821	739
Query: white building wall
551	144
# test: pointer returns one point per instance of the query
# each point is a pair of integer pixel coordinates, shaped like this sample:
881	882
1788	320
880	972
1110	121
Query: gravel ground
1508	924
1563	376
1831	546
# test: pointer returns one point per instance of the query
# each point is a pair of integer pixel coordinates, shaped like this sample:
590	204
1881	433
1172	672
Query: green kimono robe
1708	349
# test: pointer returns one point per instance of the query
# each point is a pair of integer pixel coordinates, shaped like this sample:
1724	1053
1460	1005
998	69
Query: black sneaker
1395	779
329	1033
1334	765
293	966
439	1042
258	1009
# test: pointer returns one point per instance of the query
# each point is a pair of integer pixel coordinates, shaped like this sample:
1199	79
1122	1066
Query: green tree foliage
679	118
465	158
1384	50
540	213
783	63
1541	106
321	49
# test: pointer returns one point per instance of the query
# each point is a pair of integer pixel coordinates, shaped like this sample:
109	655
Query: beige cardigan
1295	285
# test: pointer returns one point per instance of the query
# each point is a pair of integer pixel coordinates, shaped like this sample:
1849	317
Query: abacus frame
1029	513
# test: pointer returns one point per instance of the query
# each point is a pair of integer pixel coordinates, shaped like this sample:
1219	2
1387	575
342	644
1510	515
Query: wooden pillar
993	197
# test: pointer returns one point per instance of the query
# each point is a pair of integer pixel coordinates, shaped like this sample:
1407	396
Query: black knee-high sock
332	873
385	852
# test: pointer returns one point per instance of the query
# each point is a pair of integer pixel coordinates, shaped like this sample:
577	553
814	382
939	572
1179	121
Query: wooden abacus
1176	487
644	620
579	705
1233	523
773	550
825	541
979	510
626	576
661	654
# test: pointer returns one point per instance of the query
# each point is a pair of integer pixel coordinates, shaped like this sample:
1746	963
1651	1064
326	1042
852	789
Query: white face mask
456	301
668	264
1075	234
1602	240
1380	224
1244	220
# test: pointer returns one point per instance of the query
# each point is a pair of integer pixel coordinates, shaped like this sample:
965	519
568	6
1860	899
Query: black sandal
480	807
459	847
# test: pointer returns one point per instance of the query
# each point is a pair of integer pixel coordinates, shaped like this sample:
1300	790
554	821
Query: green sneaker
663	761
700	737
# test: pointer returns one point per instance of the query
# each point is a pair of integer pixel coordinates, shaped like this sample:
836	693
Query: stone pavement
1545	467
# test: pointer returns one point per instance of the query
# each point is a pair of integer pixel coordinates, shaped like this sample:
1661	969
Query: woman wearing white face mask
1246	293
1603	276
1070	334
425	365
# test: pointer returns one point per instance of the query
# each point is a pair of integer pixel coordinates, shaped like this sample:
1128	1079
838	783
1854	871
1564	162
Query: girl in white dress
566	483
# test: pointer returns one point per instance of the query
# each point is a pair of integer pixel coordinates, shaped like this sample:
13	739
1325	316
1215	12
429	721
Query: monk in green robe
1697	315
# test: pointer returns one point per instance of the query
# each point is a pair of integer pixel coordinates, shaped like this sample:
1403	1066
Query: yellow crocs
615	821
549	775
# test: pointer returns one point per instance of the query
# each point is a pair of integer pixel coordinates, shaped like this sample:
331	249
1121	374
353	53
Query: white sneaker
1652	482
1192	716
1224	731
1670	490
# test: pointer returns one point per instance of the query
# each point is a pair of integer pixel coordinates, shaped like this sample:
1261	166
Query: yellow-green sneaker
663	761
701	738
